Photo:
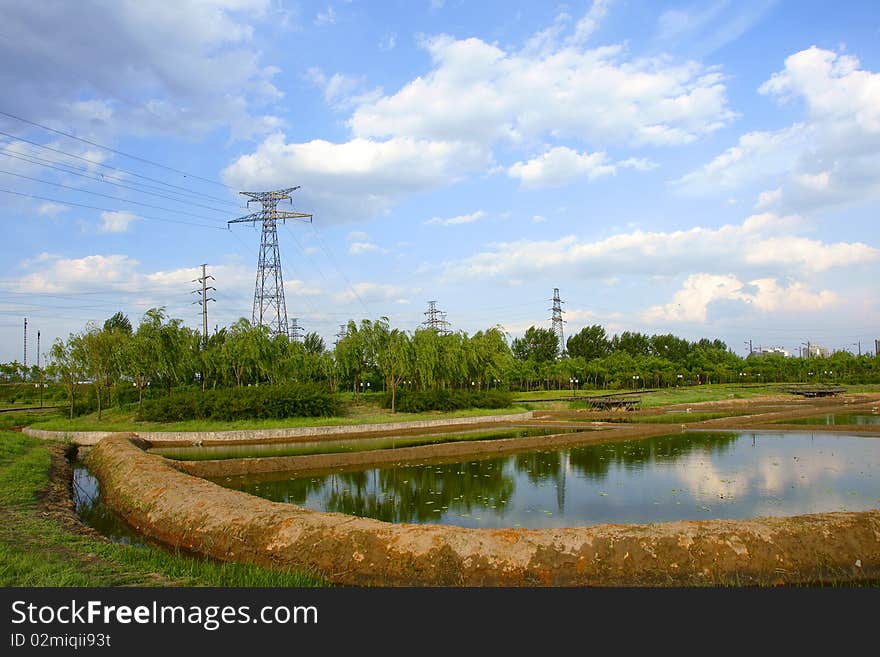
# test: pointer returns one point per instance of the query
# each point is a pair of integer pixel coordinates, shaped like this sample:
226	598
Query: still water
858	419
301	448
694	475
94	513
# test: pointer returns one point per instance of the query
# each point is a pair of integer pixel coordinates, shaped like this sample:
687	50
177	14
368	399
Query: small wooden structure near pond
816	392
625	401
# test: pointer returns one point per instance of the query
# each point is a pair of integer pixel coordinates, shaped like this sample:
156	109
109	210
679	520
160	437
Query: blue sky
710	169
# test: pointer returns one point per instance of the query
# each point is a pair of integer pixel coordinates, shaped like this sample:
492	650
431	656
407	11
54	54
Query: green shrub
410	401
252	403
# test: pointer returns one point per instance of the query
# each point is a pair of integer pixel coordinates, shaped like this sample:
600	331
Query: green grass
22	418
116	420
36	549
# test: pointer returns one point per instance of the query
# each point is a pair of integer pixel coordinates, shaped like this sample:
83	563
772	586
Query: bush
409	401
229	404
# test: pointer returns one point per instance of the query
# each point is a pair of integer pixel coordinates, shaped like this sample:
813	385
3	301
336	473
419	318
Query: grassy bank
116	420
42	544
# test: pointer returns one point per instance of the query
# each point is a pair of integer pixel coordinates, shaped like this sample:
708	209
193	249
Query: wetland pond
687	476
829	419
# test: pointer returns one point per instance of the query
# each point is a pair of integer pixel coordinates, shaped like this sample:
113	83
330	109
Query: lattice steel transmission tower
269	306
341	333
436	319
557	320
295	330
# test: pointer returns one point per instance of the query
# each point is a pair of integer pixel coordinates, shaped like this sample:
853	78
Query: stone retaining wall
181	510
257	435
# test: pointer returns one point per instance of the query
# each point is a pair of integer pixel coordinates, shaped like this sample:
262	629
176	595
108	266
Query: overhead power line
101	178
185	174
112	168
114	198
93	207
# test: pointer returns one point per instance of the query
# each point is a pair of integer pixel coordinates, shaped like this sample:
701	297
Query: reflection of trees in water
94	513
415	493
539	466
403	494
543	466
595	461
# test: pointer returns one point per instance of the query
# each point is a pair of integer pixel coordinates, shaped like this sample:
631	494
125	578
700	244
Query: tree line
123	363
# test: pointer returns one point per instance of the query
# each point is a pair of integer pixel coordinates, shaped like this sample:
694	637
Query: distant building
815	350
761	351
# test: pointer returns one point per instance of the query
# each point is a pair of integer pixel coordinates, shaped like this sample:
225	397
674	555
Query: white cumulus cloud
116	221
459	219
691	303
830	157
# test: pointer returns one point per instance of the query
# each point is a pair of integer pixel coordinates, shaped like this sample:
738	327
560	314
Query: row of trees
161	354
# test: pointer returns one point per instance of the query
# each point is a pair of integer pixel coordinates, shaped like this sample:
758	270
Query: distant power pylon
557	320
203	301
436	319
269	306
295	330
341	333
25	344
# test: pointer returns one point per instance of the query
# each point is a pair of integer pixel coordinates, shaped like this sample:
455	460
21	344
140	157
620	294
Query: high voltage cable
92	207
66	167
121	170
113	150
115	184
114	198
339	269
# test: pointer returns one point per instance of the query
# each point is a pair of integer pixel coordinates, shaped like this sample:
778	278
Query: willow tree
141	354
356	350
100	348
395	358
247	350
68	363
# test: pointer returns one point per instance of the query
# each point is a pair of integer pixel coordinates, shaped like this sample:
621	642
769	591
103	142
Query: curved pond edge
176	508
169	438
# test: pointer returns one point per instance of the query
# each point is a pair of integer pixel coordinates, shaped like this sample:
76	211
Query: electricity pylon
436	319
269	306
557	320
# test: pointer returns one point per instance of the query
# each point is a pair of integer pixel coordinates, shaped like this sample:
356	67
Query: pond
94	513
692	475
301	448
829	419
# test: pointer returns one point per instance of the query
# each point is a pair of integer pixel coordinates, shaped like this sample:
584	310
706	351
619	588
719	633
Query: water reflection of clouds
699	475
688	476
779	472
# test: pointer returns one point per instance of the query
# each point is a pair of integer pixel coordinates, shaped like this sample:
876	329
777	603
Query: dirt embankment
169	505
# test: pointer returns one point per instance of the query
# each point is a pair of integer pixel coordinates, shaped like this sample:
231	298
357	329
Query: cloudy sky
706	168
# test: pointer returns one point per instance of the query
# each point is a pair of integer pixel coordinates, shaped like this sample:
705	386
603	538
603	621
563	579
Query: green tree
538	344
589	343
633	343
118	322
246	351
313	344
141	354
101	350
68	363
395	360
